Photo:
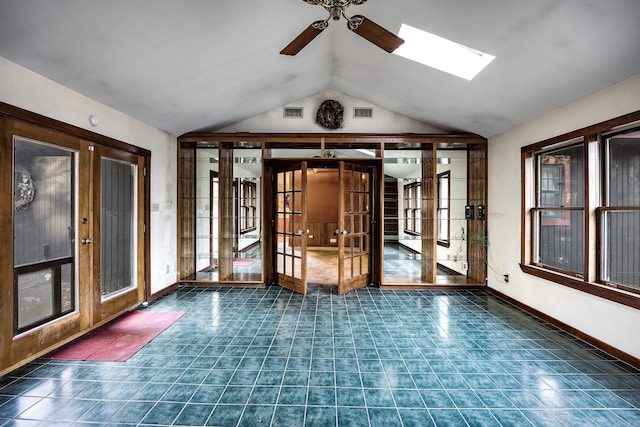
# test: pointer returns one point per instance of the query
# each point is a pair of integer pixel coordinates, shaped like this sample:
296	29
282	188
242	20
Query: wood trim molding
629	299
600	345
47	122
163	292
601	127
355	138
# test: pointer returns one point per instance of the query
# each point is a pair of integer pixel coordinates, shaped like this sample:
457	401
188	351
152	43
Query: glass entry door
354	229
46	262
291	227
116	231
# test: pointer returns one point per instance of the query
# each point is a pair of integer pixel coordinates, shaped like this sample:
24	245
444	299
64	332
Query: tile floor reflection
268	357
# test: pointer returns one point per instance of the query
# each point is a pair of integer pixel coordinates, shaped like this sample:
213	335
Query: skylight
440	53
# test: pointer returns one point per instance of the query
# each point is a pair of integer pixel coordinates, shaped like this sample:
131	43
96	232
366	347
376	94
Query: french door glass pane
117	227
44	232
289	185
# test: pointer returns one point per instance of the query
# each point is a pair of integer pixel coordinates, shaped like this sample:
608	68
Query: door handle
300	232
340	232
85	241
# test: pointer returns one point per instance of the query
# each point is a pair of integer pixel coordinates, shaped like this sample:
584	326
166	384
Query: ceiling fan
360	25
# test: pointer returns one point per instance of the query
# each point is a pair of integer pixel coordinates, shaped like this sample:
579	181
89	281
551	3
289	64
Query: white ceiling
184	65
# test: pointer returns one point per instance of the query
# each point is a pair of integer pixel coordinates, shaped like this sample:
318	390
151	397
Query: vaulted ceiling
184	65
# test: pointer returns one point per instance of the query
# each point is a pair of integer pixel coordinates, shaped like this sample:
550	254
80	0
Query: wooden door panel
117	232
48	147
354	231
290	240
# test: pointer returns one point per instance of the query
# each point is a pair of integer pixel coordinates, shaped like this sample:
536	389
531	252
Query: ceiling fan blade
373	32
304	38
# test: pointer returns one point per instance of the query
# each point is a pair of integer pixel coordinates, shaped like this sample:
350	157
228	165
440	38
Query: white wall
23	88
383	121
607	321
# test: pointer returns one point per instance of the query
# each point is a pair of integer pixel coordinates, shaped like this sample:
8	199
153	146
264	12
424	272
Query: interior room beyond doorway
322	221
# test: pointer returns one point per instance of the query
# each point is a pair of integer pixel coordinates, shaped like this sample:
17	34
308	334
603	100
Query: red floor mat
118	340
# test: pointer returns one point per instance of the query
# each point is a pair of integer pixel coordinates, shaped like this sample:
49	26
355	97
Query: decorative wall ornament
330	114
25	188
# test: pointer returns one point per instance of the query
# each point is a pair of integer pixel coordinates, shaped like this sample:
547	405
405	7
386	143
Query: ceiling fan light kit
360	25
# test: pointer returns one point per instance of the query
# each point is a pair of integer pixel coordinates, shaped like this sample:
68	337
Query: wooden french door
291	226
116	231
354	227
72	235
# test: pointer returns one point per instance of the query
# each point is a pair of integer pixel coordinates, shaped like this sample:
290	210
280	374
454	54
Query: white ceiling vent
292	112
362	112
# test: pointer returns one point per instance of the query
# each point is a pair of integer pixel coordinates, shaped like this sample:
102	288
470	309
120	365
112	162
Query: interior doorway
324	214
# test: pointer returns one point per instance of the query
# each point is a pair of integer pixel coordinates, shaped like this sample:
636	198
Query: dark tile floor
260	357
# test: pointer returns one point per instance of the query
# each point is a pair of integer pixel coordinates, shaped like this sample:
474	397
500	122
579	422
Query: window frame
607	207
412	208
565	206
248	206
443	242
594	205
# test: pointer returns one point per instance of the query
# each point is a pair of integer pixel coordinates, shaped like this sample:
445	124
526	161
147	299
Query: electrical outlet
506	278
465	266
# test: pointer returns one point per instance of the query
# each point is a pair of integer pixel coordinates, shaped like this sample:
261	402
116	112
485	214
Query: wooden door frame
378	144
269	221
32	344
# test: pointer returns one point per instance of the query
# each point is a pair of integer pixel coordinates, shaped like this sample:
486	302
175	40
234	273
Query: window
619	218
581	216
558	232
412	215
552	188
444	191
248	206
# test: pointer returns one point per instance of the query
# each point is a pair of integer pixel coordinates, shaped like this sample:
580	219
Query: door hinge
144	228
144	171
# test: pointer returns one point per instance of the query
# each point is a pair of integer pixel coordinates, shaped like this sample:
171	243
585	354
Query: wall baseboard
600	345
163	292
